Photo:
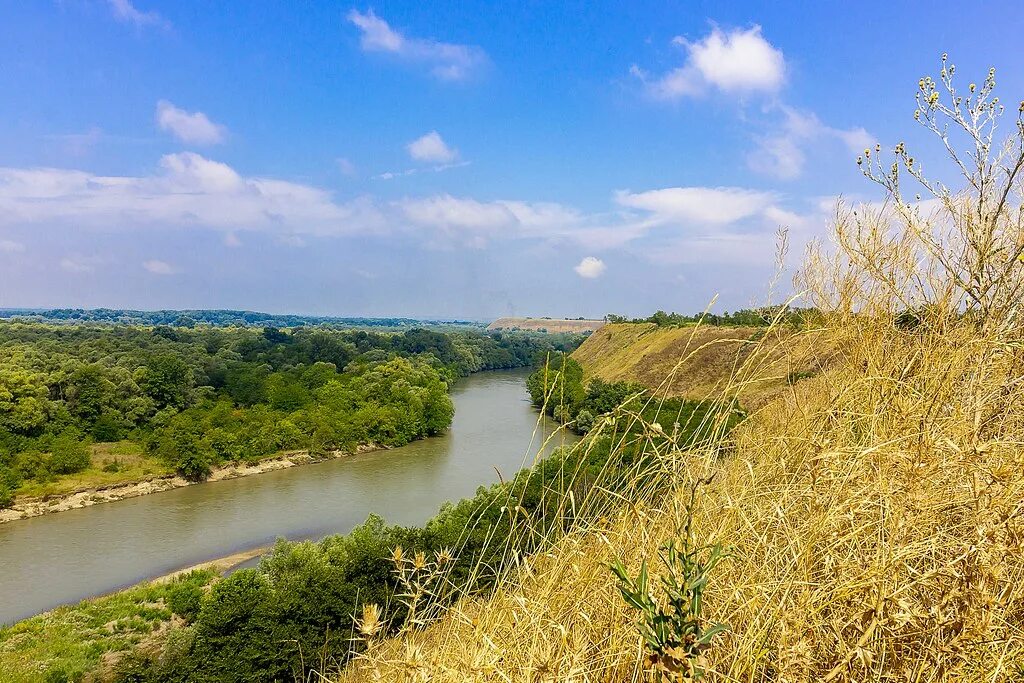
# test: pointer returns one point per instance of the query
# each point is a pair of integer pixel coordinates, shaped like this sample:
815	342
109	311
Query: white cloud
447	61
158	267
189	190
590	267
781	153
11	247
432	147
391	175
189	127
124	11
703	205
735	62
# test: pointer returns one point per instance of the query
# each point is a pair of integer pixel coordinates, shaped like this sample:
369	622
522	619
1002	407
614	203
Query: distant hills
546	324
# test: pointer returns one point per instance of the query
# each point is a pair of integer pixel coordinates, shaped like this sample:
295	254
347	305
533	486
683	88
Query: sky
450	159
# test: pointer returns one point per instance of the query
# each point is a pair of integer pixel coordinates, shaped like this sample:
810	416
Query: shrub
69	454
185	599
6	496
194	465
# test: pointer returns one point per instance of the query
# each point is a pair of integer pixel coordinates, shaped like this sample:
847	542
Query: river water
67	556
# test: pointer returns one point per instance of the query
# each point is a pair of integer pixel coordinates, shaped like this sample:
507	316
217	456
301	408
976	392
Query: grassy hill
697	361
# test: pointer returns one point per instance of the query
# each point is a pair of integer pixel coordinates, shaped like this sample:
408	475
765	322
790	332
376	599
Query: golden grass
876	510
877	516
697	361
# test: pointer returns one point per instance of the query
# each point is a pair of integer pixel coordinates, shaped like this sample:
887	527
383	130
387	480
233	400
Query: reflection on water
55	559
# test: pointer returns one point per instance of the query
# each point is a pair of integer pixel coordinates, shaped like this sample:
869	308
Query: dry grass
876	510
699	361
876	513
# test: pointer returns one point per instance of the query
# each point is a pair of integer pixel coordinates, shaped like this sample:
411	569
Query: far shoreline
39	506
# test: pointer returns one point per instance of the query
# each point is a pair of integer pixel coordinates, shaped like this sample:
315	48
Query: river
67	556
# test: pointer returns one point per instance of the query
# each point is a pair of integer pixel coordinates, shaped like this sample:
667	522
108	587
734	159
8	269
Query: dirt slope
646	353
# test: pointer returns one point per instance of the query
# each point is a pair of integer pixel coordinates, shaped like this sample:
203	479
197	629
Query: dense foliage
198	397
296	610
219	318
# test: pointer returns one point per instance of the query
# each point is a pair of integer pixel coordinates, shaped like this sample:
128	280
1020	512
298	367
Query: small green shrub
185	599
69	454
672	628
6	496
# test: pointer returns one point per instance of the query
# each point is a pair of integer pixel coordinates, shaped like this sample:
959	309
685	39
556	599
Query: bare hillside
706	356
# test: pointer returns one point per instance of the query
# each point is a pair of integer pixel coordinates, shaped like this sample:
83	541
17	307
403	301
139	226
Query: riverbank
71	642
28	507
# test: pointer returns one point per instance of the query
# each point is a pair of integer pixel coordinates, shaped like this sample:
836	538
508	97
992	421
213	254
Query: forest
195	398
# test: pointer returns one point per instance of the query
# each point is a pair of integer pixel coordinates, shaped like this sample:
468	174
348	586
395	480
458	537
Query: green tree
69	454
168	380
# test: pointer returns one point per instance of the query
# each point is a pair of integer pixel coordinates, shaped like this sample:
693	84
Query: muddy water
61	558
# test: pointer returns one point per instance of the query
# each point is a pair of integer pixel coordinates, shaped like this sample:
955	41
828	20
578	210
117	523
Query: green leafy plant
672	627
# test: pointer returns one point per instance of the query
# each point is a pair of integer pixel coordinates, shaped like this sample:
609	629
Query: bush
185	599
107	428
69	454
194	465
6	496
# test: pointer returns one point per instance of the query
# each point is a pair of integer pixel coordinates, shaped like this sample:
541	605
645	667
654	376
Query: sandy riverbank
34	507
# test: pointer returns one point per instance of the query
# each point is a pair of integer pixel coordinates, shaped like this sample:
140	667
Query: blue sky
449	159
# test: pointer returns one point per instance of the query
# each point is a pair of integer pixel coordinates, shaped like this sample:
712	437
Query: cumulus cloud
590	267
742	62
432	147
446	61
781	153
189	127
158	267
738	61
188	190
125	12
11	247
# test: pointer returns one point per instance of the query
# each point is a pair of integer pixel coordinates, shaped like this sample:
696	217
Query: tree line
221	318
746	317
200	397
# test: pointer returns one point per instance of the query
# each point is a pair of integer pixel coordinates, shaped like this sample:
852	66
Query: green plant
6	496
672	628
